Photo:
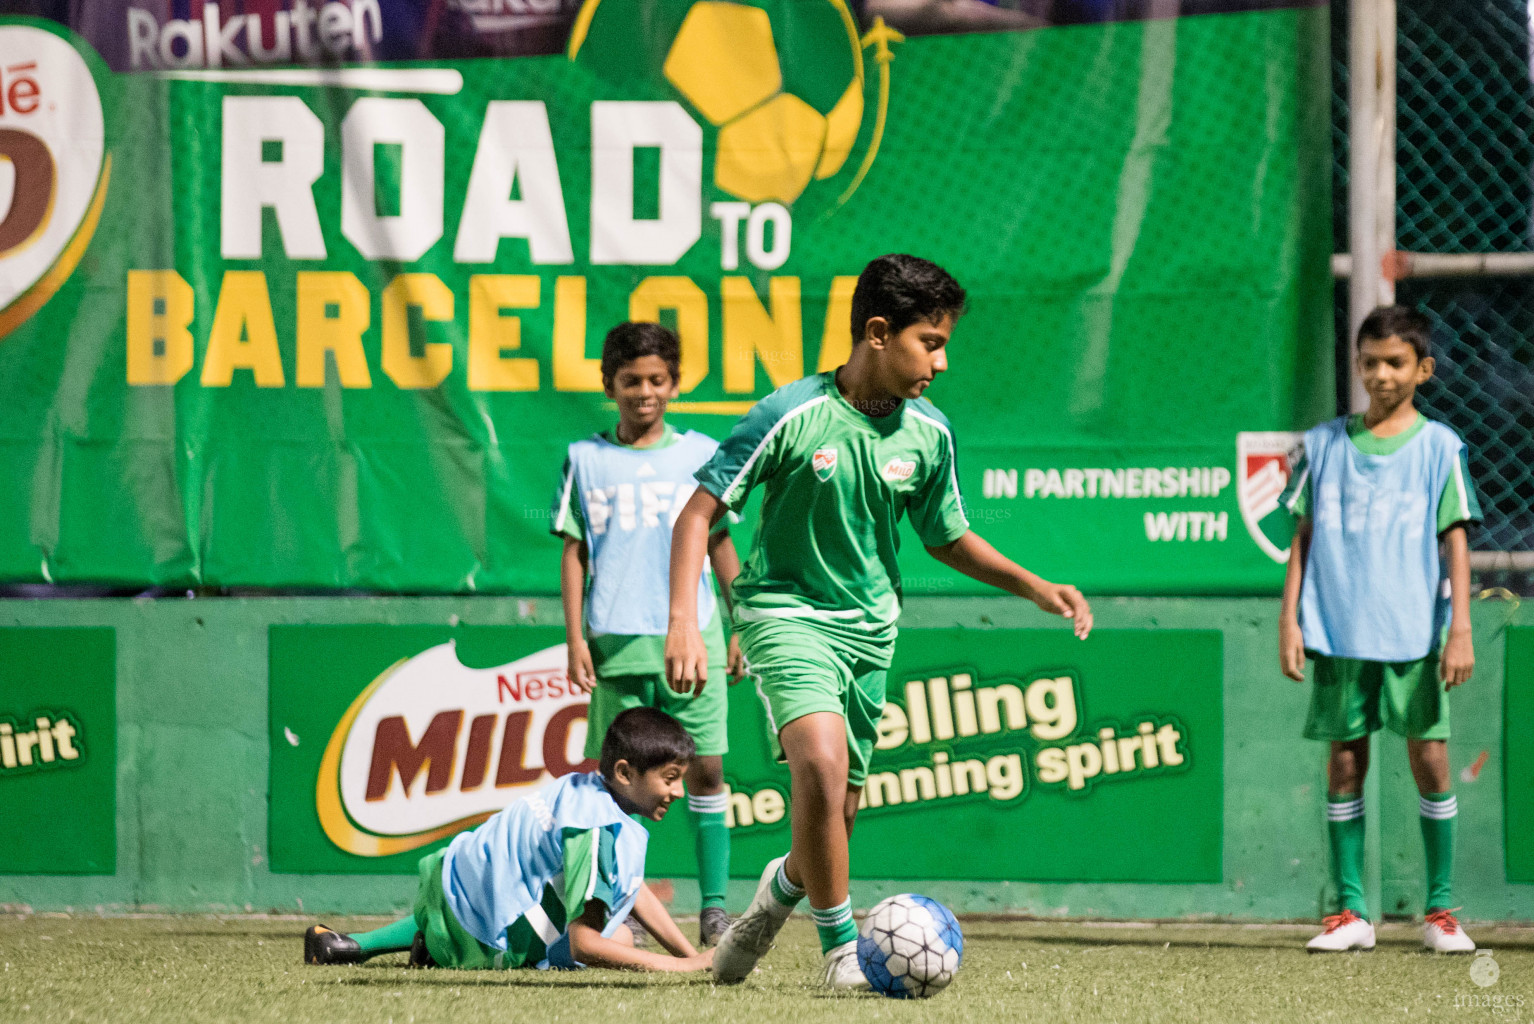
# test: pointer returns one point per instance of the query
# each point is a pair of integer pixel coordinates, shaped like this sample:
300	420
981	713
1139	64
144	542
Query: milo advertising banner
58	750
311	294
1057	760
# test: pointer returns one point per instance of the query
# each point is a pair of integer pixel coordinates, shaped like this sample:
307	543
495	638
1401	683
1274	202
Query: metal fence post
1371	165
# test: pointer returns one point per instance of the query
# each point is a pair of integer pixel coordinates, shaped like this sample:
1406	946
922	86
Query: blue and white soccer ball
909	947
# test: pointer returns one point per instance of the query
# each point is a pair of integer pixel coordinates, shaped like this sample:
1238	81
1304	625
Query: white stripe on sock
1345	811
1438	810
833	915
788	887
714	803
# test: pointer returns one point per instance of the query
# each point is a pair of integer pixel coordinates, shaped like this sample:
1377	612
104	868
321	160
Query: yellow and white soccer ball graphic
780	81
771	142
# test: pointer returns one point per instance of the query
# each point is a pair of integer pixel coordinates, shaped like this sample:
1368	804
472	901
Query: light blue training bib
497	873
1374	588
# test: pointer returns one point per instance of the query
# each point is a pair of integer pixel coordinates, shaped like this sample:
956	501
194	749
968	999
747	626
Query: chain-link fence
1464	183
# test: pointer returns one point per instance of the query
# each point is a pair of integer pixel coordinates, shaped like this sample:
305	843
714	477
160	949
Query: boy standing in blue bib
1382	500
617	499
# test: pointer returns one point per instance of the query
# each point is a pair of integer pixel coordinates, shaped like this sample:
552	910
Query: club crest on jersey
824	463
897	470
1264	462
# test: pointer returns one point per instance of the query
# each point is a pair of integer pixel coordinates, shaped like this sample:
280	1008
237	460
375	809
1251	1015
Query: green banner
1056	760
58	751
382	737
1517	712
388	740
334	326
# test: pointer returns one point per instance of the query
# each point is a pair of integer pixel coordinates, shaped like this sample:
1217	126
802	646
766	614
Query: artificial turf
205	970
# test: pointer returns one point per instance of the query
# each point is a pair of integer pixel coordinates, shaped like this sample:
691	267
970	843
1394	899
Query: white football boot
751	934
842	971
1344	931
1442	934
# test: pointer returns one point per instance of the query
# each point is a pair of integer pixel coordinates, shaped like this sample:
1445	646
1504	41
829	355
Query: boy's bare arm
726	563
1291	643
572	594
686	657
975	558
651	913
590	947
1458	659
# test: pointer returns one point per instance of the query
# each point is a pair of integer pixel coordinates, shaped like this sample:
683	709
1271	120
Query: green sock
785	892
1438	813
1345	826
835	925
712	845
391	938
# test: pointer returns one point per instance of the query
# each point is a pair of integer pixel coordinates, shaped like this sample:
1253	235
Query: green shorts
801	669
452	946
1349	696
703	715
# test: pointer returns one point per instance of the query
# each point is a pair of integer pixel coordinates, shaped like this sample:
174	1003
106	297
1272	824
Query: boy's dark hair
646	738
629	341
904	289
1410	325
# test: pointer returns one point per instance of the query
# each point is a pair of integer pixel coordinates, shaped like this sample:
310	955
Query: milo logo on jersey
54	167
432	747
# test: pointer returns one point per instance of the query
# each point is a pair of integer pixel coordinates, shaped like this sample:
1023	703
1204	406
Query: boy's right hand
1291	650
686	658
582	675
735	668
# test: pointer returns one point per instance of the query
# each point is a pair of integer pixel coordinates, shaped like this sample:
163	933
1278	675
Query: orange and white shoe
1442	934
1344	931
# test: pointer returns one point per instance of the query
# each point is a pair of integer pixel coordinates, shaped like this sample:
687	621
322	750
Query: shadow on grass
233	933
1154	939
1127	940
495	979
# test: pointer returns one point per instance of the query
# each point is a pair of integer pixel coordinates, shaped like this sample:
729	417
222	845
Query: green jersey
837	482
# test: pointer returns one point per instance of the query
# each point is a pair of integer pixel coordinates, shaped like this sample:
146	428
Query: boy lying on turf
549	880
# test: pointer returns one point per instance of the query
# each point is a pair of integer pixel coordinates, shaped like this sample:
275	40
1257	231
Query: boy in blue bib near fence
550	880
617	499
1382	501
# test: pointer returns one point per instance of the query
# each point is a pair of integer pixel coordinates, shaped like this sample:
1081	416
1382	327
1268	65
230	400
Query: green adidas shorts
452	946
704	715
801	669
1351	699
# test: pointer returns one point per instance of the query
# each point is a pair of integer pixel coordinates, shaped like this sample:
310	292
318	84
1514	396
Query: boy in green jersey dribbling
842	456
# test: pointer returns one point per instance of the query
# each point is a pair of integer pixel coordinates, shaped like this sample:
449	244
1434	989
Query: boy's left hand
1458	659
735	667
1064	599
580	673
